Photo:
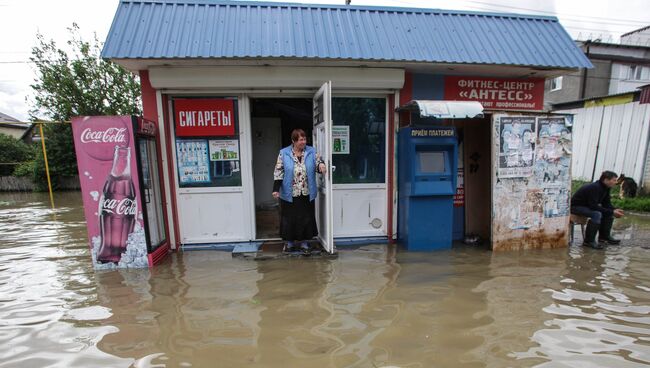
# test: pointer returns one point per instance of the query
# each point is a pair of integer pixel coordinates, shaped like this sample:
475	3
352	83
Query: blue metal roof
156	29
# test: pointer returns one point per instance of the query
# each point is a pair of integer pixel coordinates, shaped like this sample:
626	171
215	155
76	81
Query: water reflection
598	317
373	306
47	292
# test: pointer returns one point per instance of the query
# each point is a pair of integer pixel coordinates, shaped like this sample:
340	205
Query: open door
322	137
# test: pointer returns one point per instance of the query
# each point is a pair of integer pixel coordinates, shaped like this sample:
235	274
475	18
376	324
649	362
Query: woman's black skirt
298	220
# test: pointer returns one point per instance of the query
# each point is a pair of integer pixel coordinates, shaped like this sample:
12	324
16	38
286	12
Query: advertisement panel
497	93
106	158
204	117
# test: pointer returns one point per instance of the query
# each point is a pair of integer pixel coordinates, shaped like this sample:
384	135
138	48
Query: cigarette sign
497	93
206	117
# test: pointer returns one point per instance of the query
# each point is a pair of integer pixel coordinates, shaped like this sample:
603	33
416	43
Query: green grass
640	203
576	184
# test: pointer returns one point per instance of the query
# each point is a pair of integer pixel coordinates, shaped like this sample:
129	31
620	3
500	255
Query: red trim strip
172	170
150	112
159	254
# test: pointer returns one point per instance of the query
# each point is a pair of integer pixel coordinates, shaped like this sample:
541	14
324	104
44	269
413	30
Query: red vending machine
121	186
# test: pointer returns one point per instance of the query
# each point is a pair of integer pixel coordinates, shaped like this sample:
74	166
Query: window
207	155
632	71
638	72
556	84
359	151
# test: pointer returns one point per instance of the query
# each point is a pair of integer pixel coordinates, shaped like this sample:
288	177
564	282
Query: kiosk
427	184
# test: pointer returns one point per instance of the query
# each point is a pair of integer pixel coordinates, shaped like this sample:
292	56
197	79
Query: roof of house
206	29
6	118
636	31
7	121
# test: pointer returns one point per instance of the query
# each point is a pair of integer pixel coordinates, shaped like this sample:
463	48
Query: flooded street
374	306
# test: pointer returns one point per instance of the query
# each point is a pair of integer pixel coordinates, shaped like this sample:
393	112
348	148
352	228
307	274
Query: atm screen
432	162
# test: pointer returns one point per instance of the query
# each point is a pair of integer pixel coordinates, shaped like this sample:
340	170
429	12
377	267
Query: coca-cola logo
98	135
122	207
146	127
110	135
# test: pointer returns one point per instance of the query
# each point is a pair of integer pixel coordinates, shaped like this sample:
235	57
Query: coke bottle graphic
117	208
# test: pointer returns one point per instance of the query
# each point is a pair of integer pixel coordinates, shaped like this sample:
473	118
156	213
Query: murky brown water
371	307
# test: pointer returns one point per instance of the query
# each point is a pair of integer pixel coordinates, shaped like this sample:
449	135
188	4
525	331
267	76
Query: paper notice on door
341	140
224	150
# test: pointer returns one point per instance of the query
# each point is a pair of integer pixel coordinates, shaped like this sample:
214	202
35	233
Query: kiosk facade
267	63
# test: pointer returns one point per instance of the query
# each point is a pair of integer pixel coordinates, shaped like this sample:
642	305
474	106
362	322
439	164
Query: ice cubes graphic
136	250
95	195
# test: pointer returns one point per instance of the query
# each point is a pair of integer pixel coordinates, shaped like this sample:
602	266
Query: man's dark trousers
603	221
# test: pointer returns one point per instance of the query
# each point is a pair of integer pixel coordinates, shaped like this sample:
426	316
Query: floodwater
374	306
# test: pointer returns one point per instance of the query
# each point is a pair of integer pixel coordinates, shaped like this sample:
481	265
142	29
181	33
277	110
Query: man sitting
593	201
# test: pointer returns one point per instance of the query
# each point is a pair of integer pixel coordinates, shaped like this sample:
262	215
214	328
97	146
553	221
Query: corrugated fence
613	137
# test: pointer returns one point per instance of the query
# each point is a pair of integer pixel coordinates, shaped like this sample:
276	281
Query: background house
611	118
14	128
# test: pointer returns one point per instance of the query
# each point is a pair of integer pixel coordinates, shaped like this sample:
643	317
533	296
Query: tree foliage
73	83
12	152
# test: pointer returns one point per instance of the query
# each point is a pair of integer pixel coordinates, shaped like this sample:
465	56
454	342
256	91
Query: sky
22	19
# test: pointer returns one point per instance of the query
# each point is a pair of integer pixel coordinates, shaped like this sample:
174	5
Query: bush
13	150
25	169
61	158
576	184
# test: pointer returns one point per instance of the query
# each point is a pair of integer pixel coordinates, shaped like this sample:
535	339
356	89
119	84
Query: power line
564	18
641	22
626	28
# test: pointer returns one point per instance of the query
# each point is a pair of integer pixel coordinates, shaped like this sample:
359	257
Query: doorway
272	121
476	174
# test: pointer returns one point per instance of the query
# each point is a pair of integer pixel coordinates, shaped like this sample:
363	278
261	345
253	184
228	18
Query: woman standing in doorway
295	185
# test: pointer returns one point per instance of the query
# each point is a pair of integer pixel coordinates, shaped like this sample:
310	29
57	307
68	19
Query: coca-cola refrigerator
121	187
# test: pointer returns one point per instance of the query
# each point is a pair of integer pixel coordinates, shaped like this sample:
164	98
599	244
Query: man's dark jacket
595	196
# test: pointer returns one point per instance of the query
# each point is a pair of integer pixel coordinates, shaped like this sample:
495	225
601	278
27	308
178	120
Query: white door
322	136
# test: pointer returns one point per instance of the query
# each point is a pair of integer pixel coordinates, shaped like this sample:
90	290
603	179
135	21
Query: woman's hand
322	168
276	195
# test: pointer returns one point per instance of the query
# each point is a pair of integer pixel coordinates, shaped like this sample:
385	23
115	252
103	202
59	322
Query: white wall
267	142
620	82
623	144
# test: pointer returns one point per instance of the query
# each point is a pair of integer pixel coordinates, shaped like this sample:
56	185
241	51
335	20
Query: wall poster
517	146
553	164
193	161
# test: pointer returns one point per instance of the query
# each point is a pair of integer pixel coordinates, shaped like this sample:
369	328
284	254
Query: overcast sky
21	19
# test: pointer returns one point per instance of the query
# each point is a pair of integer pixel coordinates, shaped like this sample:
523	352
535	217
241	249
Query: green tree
13	151
75	83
